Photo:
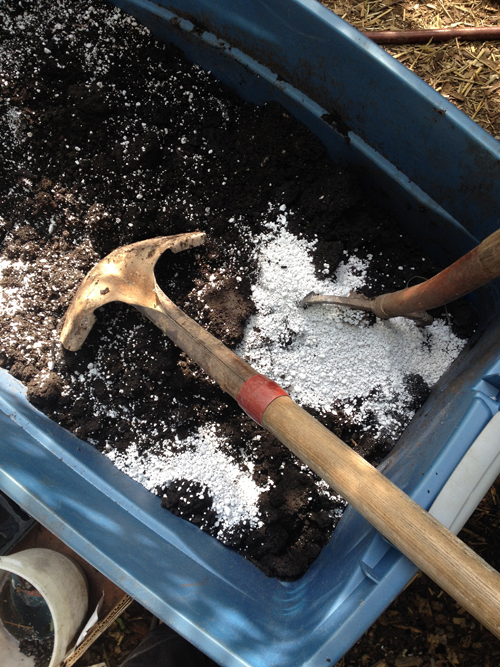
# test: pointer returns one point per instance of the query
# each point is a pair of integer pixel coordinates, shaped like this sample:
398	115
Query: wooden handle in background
471	271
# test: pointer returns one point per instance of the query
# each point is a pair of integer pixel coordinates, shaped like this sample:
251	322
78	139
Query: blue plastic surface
439	172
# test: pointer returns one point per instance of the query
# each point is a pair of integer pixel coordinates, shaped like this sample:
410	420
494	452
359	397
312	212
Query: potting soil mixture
109	137
40	649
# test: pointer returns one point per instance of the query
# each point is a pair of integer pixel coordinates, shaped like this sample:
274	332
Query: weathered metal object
471	271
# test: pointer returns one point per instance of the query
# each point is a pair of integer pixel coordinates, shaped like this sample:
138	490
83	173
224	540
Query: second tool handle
471	271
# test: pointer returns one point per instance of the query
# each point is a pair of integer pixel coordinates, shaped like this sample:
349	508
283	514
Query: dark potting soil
39	649
111	138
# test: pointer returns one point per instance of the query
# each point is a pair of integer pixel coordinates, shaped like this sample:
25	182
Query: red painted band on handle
255	395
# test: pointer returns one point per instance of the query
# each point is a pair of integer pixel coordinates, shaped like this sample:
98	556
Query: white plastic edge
471	479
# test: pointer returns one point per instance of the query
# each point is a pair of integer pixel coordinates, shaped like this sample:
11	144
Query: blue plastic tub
439	172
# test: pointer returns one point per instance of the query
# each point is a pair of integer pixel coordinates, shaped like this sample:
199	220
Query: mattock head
126	274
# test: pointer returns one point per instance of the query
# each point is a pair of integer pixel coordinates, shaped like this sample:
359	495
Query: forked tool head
354	301
357	301
126	274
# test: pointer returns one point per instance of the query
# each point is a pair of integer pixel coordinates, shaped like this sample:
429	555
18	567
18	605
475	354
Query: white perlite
326	356
234	494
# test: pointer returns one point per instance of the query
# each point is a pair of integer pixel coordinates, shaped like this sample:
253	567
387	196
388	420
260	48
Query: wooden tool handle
489	253
425	541
225	367
433	548
471	271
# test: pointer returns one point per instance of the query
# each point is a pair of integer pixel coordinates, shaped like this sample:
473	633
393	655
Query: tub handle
471	479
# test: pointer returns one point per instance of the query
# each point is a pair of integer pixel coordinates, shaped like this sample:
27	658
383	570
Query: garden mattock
127	275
